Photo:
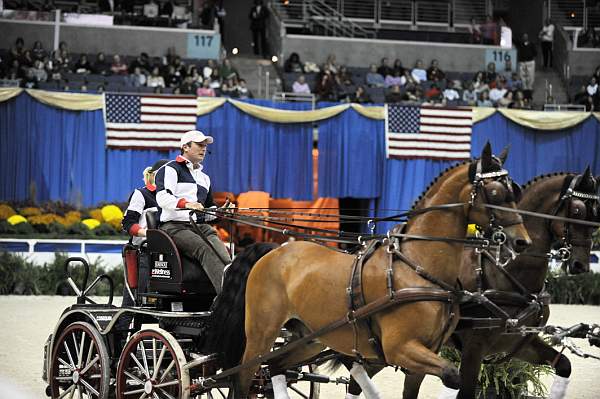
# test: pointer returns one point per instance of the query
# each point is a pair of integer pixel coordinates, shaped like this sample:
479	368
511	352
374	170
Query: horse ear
504	154
587	174
486	156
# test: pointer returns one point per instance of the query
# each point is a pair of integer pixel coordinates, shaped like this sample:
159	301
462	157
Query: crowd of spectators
419	84
587	94
33	67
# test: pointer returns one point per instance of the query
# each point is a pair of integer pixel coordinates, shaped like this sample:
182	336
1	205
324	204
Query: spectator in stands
83	88
142	61
325	87
433	94
514	82
53	70
489	76
83	66
172	78
158	90
215	80
344	77
138	79
117	67
484	99
293	64
498	91
227	91
101	66
374	78
526	56
179	67
479	83
228	71
259	14
506	101
155	79
15	72
196	77
100	89
360	96
207	71
243	91
384	69
188	87
520	102
331	65
38	51
469	95
592	87
475	31
489	31
205	90
434	73
418	73
27	59
17	50
395	80
176	90
37	73
300	85
394	95
451	92
398	66
546	36
151	9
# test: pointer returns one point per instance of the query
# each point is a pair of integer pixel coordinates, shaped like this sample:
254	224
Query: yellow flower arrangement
112	212
6	211
96	214
91	223
16	219
30	211
45	219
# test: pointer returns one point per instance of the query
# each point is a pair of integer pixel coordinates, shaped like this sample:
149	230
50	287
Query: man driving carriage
181	186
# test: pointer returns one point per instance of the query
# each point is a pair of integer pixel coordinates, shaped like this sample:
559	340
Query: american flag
428	132
148	121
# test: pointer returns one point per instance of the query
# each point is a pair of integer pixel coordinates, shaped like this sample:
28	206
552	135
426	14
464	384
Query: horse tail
226	335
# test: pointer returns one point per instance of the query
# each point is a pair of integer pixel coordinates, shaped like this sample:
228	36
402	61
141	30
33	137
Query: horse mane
544	176
446	171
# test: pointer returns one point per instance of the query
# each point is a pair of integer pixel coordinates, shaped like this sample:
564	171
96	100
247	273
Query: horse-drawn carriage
394	302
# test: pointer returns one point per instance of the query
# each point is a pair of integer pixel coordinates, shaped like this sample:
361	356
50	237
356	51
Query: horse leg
470	365
412	384
538	352
361	382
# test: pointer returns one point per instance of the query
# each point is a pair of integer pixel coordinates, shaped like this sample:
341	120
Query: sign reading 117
202	40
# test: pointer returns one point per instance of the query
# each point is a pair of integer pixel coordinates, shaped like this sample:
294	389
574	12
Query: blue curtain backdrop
351	156
252	154
61	152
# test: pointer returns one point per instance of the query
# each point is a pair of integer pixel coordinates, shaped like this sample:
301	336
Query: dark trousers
213	260
547	54
259	38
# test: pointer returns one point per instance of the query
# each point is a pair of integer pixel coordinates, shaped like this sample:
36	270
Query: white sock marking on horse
279	387
351	396
558	390
448	393
364	381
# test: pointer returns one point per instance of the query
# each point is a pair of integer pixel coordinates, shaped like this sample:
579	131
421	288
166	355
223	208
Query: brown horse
303	285
562	194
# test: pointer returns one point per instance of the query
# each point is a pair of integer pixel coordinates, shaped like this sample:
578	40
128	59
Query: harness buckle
371	225
564	254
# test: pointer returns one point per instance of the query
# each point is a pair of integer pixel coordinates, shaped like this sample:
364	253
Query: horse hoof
451	377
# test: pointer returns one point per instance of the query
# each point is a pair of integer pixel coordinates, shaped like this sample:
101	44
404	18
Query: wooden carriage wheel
80	365
151	366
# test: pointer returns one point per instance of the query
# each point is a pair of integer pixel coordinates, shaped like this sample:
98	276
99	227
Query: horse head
492	185
578	200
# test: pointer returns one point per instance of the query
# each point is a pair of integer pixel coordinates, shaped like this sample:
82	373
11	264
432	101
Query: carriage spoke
69	354
89	387
69	378
90	352
299	392
72	391
79	392
154	353
80	353
167	371
167	384
143	396
155	395
133	377
90	364
160	359
61	361
139	364
143	347
141	390
166	394
75	345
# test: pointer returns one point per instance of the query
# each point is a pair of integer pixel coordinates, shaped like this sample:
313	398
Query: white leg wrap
350	396
448	393
279	387
364	381
558	390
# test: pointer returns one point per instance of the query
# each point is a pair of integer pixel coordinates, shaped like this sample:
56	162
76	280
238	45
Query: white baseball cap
196	136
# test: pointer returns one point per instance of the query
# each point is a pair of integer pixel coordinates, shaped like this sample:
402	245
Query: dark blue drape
252	154
534	152
60	153
351	156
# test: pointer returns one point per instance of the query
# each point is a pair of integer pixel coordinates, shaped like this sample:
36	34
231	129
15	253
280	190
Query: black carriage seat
170	272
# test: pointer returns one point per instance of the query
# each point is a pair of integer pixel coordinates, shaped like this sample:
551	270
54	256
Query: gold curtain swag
68	101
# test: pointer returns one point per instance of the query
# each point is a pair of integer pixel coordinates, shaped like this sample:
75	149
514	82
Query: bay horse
303	285
561	194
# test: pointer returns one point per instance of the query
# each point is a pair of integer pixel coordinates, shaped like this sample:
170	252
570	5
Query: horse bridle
576	203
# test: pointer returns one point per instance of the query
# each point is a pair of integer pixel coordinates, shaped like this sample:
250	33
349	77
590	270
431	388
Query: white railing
285	97
564	107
